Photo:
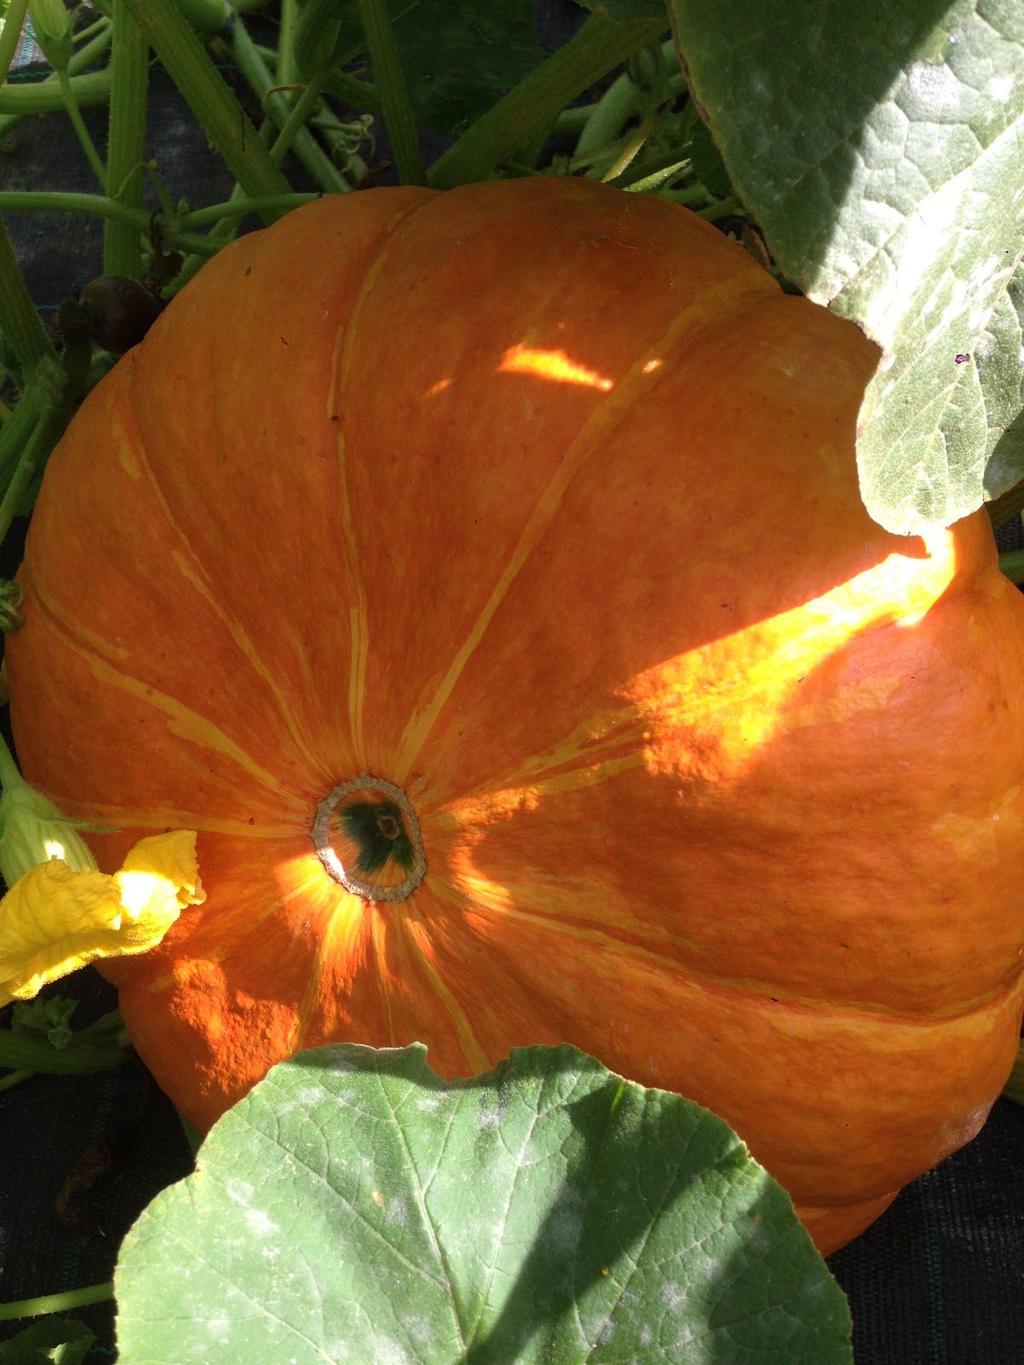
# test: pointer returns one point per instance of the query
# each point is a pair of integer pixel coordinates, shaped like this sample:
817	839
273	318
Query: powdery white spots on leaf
260	1223
489	1117
563	1230
701	1266
672	1295
934	87
418	1329
312	1094
999	87
646	1336
389	1352
397	1211
239	1191
218	1328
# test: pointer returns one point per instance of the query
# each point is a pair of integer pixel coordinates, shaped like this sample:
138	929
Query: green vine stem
721	208
295	122
617	105
255	71
46	97
630	151
85	35
1011	562
206	16
238	208
57	1303
288	72
661	164
20	1052
599	46
685	194
126	143
389	77
14	22
356	94
74	112
314	35
20	324
30	461
36	201
15	434
211	100
14	1078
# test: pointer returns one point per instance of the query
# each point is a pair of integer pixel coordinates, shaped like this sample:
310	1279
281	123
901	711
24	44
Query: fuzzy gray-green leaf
356	1207
879	147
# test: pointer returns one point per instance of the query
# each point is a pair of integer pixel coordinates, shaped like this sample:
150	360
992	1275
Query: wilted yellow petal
173	857
56	919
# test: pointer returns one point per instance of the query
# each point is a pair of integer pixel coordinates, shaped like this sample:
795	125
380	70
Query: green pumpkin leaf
356	1207
461	56
878	146
50	1341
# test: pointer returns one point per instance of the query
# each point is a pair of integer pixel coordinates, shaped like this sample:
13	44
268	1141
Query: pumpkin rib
159	981
377	939
187	562
322	949
191	726
412	927
716	307
343	351
168	817
641	950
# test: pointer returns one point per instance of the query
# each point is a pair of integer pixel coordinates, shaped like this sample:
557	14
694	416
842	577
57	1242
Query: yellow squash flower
56	918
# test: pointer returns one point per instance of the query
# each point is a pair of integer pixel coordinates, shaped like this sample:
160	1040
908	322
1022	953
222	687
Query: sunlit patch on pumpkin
552	365
723	702
437	388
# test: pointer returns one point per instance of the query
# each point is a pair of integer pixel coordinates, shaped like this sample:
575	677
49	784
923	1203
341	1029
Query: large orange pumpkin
506	545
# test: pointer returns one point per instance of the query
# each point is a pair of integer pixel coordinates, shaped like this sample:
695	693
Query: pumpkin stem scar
380	835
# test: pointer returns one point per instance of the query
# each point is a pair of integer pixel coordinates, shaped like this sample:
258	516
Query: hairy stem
14	1078
57	1303
46	97
254	69
74	113
14	21
295	122
126	143
19	322
389	77
238	208
617	106
210	98
43	201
